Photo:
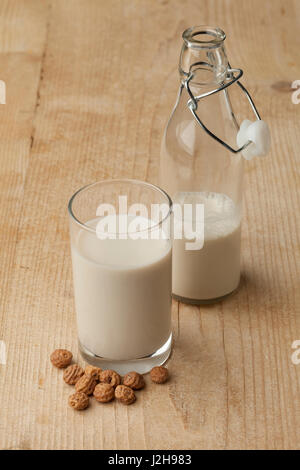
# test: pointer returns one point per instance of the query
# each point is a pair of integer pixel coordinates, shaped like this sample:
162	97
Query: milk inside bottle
213	270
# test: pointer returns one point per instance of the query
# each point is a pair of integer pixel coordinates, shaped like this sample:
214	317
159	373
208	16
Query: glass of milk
122	272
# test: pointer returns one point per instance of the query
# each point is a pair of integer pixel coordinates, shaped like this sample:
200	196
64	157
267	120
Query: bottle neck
203	54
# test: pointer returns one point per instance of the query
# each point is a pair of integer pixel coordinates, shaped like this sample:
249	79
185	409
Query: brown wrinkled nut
159	374
94	371
86	384
79	401
72	374
110	377
61	358
125	394
104	393
134	380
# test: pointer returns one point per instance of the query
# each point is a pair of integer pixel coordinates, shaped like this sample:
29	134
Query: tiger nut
104	392
72	374
125	394
61	358
110	377
86	384
79	401
159	374
134	380
94	371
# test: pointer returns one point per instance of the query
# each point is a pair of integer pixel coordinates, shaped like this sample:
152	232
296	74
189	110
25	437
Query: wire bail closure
233	76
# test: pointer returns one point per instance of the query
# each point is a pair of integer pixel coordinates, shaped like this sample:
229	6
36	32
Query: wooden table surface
90	85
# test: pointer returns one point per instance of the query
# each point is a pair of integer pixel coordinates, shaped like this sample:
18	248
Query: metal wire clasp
233	75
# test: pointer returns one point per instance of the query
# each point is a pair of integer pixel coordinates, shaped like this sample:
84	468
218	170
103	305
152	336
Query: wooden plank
23	39
90	86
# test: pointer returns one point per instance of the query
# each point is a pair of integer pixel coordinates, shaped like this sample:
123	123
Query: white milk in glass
214	270
122	293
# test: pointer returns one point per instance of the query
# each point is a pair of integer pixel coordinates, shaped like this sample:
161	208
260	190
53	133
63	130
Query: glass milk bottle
201	164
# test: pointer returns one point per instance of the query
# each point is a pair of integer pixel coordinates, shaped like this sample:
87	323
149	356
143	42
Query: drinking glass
121	245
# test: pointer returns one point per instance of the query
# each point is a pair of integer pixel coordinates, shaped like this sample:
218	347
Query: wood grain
90	84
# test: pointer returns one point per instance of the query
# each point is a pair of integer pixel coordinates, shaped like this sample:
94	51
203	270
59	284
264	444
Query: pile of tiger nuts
104	385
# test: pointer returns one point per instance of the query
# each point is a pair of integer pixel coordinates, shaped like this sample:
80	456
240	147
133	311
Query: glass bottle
200	166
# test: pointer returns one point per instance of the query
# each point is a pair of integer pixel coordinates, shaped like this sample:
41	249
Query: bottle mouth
203	37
